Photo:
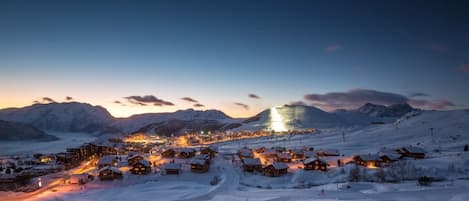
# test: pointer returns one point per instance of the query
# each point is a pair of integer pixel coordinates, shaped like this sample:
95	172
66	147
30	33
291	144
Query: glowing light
276	120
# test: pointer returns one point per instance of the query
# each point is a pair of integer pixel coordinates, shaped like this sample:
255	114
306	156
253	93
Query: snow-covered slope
393	111
10	131
136	122
176	126
289	117
68	117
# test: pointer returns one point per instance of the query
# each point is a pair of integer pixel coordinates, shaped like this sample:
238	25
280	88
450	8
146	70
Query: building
315	164
297	154
367	160
170	153
326	153
252	164
284	157
173	168
245	153
412	152
389	156
134	159
211	151
187	153
276	169
141	167
109	173
107	161
199	166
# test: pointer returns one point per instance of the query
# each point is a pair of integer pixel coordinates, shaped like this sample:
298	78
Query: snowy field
28	147
446	160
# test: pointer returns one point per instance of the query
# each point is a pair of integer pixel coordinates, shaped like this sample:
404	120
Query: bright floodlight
276	120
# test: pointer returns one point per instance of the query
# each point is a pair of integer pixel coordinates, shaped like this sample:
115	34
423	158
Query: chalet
412	152
252	164
367	160
325	153
141	167
47	159
107	161
170	153
199	166
245	153
173	168
260	150
134	159
388	156
109	173
276	169
315	164
187	153
211	151
270	153
279	149
284	157
105	150
297	154
204	157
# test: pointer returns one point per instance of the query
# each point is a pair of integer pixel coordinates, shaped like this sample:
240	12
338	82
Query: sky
236	56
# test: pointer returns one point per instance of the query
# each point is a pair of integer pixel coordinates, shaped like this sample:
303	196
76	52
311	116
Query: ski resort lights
276	120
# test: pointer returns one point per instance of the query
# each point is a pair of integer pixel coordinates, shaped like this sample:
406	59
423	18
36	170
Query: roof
144	162
203	157
172	166
106	160
415	149
390	154
310	154
284	155
280	165
136	155
369	157
187	150
310	160
298	151
329	151
197	161
114	169
252	161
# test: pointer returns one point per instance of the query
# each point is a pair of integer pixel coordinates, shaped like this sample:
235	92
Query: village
152	157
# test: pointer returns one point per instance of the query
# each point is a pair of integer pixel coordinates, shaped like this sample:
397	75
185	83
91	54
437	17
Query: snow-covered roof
172	166
202	156
106	160
298	151
284	155
415	149
369	157
310	160
135	156
144	162
252	161
328	151
310	154
187	150
114	169
390	154
198	161
280	165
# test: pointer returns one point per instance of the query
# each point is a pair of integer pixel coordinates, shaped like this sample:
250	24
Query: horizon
239	58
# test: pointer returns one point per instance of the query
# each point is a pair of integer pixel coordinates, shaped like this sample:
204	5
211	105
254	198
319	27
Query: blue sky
218	52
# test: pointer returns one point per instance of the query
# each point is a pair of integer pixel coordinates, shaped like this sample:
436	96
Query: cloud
254	96
464	68
68	98
418	94
246	107
148	100
357	97
433	105
333	48
47	100
198	105
439	47
117	102
189	99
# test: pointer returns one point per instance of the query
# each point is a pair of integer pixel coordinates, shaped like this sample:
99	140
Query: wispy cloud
434	105
198	105
418	94
148	100
333	48
254	96
47	100
189	99
301	103
246	107
68	98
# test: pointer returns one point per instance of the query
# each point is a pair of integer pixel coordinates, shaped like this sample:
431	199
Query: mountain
177	126
138	121
10	131
67	117
289	117
394	111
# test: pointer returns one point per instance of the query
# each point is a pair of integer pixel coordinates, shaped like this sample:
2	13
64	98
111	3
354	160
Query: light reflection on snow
277	122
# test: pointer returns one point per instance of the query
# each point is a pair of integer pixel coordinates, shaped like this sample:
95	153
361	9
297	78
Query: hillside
10	131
